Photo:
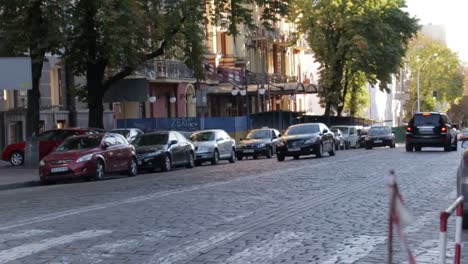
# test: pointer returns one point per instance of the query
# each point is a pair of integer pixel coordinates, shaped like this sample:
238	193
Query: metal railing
166	69
444	216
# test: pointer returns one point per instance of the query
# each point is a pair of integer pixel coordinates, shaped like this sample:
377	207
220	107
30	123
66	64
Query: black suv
430	130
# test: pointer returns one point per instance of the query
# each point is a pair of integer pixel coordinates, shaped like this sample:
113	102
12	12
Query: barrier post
444	216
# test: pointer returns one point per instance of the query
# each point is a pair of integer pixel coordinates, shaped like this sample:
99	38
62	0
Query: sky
451	13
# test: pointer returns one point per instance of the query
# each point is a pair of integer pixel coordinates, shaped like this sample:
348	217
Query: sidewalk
17	177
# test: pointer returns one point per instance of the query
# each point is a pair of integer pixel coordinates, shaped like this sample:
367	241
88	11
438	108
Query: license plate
378	141
294	149
249	151
59	169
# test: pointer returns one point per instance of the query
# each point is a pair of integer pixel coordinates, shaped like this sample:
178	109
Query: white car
350	135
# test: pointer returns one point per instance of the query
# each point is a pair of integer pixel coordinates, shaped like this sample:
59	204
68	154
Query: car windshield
379	131
259	134
80	143
150	139
344	130
123	132
303	129
426	120
202	136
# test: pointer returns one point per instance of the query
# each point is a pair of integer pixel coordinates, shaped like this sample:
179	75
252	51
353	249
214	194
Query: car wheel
132	168
99	174
255	157
167	163
409	148
270	153
296	157
418	149
240	157
17	159
198	163
332	152
280	157
215	159
347	145
448	147
232	159
190	161
319	151
393	145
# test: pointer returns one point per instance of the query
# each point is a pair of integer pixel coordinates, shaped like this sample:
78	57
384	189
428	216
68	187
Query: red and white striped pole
444	216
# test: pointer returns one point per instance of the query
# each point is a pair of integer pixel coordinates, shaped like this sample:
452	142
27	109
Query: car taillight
443	129
408	129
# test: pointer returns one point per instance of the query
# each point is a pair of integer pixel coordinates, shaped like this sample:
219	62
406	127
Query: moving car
339	139
430	129
306	139
90	157
259	142
350	135
129	133
48	141
380	136
462	182
213	145
164	150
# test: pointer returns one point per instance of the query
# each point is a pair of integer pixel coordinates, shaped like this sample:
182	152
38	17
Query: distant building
436	32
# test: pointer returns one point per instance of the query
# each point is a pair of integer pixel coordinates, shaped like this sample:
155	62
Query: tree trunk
94	84
34	95
70	98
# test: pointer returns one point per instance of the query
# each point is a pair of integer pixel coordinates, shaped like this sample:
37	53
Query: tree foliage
442	74
363	36
32	28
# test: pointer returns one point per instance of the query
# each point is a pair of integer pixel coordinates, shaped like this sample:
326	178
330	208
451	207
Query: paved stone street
329	210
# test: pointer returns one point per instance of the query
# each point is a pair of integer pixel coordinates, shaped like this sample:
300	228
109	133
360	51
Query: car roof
208	130
90	135
306	124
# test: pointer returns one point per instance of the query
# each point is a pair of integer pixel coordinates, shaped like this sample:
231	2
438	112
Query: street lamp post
418	78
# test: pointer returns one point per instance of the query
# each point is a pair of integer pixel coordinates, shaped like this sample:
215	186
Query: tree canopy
351	37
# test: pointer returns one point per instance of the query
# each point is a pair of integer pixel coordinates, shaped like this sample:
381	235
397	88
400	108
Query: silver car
462	182
350	135
213	145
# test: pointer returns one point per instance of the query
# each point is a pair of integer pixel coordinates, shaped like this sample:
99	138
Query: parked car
350	135
380	136
89	156
259	142
430	129
306	139
186	134
129	133
462	182
463	134
213	145
164	150
48	141
339	139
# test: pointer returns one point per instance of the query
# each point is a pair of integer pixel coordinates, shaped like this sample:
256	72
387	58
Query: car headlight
85	158
154	153
261	145
203	148
41	163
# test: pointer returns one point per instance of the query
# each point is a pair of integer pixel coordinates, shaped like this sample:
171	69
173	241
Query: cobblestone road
329	210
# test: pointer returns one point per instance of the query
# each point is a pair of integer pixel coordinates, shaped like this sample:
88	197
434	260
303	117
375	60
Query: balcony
166	69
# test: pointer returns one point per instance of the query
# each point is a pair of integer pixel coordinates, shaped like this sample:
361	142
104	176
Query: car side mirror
105	145
173	142
219	139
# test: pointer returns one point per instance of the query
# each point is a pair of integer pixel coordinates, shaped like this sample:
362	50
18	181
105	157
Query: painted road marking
23	234
428	252
268	250
32	248
192	247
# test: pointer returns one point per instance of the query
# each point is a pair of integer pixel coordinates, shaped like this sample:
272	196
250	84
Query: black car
259	142
164	150
129	133
380	136
431	129
306	139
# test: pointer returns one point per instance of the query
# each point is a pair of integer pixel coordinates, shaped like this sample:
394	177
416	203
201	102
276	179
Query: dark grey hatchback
431	129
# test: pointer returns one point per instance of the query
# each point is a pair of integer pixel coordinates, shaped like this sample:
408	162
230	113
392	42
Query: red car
48	141
89	157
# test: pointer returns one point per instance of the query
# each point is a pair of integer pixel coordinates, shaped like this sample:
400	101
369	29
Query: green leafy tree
110	39
369	36
357	100
32	28
441	74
